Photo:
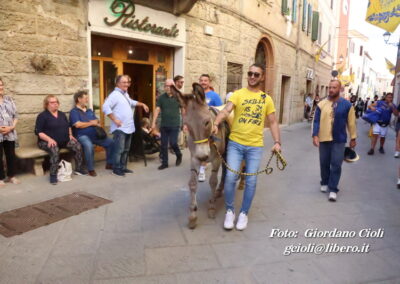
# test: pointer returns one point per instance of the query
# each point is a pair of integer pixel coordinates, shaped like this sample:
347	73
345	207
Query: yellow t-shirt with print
249	116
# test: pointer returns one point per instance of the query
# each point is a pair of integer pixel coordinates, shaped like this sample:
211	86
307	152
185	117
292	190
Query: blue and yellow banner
384	14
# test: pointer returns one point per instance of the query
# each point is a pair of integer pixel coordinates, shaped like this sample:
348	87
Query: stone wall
43	50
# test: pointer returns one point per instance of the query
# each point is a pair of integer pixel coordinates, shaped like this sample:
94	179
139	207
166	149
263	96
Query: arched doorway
265	56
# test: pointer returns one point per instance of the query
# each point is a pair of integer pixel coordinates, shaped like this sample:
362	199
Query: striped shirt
8	113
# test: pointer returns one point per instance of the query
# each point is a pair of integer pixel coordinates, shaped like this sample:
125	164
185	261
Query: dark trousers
331	156
169	134
122	144
54	153
9	151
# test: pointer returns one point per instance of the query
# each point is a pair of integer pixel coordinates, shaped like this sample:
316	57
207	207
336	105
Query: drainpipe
296	65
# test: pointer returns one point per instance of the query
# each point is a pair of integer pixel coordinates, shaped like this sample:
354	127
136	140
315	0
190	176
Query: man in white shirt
118	107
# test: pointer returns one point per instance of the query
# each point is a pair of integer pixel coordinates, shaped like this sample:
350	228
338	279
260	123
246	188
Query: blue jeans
236	154
331	156
122	144
88	149
169	134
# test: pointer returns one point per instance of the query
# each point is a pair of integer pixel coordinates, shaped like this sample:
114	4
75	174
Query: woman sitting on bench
54	133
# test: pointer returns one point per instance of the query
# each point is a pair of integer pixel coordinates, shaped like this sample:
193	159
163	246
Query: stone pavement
142	236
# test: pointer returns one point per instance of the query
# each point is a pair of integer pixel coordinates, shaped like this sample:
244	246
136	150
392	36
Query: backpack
64	171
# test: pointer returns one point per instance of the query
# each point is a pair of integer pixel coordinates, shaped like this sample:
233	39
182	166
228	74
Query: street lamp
396	86
386	37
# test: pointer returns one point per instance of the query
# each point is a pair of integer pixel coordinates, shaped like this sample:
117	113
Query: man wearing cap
332	116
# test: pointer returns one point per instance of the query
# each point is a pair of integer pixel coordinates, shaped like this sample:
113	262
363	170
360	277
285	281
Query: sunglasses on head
255	74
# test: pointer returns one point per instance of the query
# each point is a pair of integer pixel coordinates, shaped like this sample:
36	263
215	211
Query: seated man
83	121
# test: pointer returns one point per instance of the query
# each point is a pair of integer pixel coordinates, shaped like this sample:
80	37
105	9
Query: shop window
234	77
102	48
138	53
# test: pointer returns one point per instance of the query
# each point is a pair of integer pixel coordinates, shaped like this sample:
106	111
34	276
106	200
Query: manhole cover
21	220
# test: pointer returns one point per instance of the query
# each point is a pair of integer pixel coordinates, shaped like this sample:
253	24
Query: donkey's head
198	120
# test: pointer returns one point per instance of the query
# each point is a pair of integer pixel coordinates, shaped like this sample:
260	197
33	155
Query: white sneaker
324	188
398	183
242	221
397	154
229	219
202	176
332	196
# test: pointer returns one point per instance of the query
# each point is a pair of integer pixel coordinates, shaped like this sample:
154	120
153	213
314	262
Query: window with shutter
309	19
285	8
320	33
315	23
304	20
294	11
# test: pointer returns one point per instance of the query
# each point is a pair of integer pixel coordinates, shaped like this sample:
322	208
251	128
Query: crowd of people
383	108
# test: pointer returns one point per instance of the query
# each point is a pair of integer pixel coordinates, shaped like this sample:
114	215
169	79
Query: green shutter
284	7
294	11
315	23
304	20
309	20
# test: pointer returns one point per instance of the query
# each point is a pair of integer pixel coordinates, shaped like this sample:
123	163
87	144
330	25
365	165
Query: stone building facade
61	46
43	50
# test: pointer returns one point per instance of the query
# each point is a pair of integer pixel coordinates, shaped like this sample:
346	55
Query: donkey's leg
213	185
193	190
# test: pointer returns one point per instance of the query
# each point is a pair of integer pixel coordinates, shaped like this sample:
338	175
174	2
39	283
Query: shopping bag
64	171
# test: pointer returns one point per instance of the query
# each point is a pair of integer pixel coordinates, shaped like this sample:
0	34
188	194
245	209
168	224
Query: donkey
199	120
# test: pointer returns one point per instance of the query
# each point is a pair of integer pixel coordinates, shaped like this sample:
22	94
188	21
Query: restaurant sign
123	13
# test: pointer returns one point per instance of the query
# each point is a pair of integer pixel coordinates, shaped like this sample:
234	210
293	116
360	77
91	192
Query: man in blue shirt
386	108
212	99
118	107
83	122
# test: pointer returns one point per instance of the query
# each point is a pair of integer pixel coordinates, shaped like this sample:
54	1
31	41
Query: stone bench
33	152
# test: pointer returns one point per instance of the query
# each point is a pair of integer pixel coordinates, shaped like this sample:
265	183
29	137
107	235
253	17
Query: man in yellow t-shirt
251	107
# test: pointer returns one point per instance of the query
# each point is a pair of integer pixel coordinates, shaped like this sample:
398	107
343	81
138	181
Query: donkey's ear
182	98
198	92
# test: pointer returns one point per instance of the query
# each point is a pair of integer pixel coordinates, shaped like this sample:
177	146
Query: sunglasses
255	74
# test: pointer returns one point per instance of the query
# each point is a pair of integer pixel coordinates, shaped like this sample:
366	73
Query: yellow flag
390	66
384	14
319	51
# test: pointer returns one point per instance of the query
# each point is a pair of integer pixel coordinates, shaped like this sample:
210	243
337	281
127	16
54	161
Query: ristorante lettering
125	11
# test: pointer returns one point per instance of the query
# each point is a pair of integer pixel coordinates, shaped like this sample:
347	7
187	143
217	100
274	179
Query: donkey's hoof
192	223
211	213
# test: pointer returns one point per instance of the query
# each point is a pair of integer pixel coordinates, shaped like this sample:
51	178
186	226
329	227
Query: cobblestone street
142	236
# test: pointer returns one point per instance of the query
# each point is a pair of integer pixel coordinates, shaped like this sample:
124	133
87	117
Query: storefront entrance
148	65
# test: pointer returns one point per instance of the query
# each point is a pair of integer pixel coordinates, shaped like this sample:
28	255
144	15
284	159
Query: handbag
100	133
64	171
